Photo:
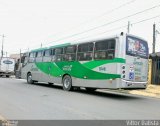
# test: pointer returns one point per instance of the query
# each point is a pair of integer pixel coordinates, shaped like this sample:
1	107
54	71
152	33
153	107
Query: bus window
85	52
136	47
70	53
105	49
58	51
47	55
58	54
110	54
32	54
31	57
38	56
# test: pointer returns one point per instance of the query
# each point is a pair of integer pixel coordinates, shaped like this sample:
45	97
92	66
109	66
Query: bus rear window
136	47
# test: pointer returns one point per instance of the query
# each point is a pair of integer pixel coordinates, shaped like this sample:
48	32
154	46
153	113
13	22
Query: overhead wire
118	28
117	20
97	17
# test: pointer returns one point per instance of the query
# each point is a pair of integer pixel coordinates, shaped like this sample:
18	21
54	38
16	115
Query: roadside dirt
151	91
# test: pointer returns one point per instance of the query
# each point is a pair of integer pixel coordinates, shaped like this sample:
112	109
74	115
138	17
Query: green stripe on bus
75	69
96	63
54	70
80	71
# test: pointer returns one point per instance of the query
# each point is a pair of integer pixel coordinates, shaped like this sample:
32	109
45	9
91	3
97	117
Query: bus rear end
135	70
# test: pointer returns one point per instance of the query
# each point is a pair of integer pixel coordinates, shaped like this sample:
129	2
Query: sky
28	24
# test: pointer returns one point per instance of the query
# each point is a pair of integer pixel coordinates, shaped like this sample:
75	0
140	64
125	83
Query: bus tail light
123	71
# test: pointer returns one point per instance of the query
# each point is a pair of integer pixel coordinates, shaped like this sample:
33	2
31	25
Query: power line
106	13
145	20
112	10
118	28
113	29
117	20
97	17
104	24
124	26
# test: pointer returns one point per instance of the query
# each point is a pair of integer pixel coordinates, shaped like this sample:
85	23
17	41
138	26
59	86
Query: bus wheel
7	76
49	83
90	89
67	83
29	78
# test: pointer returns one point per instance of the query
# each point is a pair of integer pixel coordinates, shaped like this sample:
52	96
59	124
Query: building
155	68
15	56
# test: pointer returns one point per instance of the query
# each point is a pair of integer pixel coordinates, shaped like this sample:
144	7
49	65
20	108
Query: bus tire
90	89
29	78
7	76
49	83
67	83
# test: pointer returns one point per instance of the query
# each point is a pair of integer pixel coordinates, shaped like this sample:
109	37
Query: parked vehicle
120	61
7	66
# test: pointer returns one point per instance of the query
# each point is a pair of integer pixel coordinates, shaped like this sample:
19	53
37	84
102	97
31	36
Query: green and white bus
117	62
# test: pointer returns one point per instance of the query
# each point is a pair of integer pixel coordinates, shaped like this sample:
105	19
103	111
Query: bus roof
73	43
39	49
95	39
45	48
60	45
84	41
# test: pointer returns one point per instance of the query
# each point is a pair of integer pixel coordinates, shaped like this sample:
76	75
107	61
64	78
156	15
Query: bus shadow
98	93
110	94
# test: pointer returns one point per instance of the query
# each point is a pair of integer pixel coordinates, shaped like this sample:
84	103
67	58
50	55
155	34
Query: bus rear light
124	76
123	67
123	72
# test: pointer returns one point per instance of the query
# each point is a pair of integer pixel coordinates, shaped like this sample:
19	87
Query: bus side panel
113	84
30	67
50	79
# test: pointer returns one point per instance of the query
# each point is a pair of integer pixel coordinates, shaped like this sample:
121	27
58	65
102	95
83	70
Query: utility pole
2	45
20	60
128	28
154	37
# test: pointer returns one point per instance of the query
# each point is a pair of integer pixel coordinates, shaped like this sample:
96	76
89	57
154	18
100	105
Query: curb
121	91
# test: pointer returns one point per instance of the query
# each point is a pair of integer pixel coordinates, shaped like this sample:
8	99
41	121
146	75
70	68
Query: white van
7	66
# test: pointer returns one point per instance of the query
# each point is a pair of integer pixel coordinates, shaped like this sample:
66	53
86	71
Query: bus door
36	72
47	60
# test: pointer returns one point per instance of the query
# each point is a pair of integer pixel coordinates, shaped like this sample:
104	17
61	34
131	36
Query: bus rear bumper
125	84
110	84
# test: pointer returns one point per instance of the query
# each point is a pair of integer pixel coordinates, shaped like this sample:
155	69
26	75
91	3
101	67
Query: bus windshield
136	47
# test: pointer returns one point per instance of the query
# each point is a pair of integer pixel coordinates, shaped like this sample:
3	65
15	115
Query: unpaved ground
2	118
151	91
